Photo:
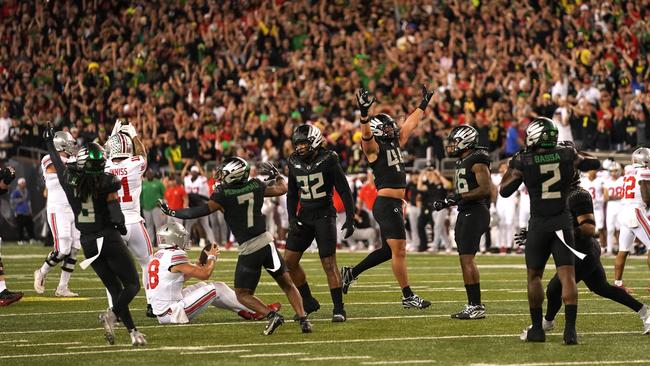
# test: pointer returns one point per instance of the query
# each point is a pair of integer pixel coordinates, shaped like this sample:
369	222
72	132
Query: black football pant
25	223
116	270
424	219
594	277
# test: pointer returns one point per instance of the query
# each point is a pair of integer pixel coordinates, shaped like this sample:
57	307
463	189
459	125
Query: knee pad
54	258
70	261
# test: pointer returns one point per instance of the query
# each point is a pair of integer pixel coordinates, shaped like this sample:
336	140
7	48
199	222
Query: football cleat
643	314
347	279
64	292
276	306
305	325
570	336
339	316
470	312
311	306
274	321
39	281
108	320
546	326
7	297
137	338
535	335
149	312
414	301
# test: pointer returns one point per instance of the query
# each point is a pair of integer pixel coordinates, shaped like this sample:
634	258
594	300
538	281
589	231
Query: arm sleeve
343	188
193	212
292	196
115	214
61	169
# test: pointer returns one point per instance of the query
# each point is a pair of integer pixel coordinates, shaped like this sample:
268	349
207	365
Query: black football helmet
460	139
91	158
542	132
383	126
308	134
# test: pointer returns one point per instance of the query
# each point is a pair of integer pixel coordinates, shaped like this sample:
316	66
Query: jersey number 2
546	185
248	200
126	190
629	185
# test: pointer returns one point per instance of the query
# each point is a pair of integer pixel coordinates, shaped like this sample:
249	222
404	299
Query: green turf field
52	331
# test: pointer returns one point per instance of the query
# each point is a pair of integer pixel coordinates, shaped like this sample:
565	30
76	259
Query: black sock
305	292
536	317
375	258
337	299
473	294
570	314
406	291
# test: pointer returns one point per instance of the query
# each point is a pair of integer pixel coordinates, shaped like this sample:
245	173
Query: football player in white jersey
61	221
613	196
170	268
126	159
595	185
505	210
524	206
196	186
633	214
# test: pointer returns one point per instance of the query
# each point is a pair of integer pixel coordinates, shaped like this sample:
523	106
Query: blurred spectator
176	196
22	207
152	191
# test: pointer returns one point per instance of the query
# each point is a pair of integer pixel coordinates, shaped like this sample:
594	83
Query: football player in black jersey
589	269
472	188
241	199
314	172
7	175
381	142
547	170
93	197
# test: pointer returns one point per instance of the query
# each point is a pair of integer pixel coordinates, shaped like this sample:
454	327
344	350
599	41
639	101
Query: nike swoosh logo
467	214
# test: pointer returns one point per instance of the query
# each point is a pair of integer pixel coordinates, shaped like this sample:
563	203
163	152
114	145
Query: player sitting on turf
170	268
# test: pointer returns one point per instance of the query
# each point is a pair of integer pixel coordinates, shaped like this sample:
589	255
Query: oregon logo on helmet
91	158
542	132
461	138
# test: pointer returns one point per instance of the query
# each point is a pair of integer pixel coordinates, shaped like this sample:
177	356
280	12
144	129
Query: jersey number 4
547	194
394	158
309	185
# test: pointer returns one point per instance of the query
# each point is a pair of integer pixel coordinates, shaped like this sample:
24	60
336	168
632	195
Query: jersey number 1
125	189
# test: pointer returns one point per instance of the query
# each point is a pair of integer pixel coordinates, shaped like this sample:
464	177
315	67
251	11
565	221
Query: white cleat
137	338
64	292
108	320
39	281
643	314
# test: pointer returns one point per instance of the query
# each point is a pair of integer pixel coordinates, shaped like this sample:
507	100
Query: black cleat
7	297
274	321
305	325
570	336
415	301
150	313
347	279
339	316
535	335
470	312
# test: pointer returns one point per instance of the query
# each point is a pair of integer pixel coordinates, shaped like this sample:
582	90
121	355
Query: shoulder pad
479	156
293	160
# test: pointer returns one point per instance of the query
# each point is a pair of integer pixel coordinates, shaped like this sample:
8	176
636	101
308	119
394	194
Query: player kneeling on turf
170	268
241	201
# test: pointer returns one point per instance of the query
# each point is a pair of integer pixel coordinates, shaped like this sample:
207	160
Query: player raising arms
632	216
547	169
472	195
61	220
241	200
381	142
7	175
126	159
314	172
170	268
92	194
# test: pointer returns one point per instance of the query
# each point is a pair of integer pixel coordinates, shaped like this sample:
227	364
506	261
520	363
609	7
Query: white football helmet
119	146
641	157
172	235
63	141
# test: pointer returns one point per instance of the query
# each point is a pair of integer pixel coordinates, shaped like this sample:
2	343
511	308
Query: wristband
364	121
368	139
212	257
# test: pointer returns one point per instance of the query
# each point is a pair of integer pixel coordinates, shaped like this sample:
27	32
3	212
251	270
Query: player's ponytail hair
87	186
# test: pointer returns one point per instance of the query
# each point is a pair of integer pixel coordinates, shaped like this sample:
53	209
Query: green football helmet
542	132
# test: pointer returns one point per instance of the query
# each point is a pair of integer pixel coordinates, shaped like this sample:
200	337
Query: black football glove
269	170
165	209
348	226
7	175
365	101
426	97
121	228
295	225
447	202
520	237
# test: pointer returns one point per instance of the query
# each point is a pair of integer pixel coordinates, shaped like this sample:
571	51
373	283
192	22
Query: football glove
129	130
269	170
365	101
165	209
48	134
426	97
348	226
447	202
295	225
117	127
520	237
7	175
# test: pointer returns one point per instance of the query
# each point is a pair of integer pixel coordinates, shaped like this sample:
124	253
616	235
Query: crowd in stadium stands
204	79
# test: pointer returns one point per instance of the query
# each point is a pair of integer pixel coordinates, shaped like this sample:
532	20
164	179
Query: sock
65	278
373	259
305	292
337	299
110	299
570	314
3	285
45	268
536	317
406	291
473	294
618	283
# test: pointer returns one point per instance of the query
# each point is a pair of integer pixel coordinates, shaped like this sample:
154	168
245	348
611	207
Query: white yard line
215	351
274	355
561	363
45	344
398	362
334	358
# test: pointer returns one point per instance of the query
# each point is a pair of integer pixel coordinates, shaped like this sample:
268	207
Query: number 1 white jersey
129	171
165	287
596	189
56	198
632	189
